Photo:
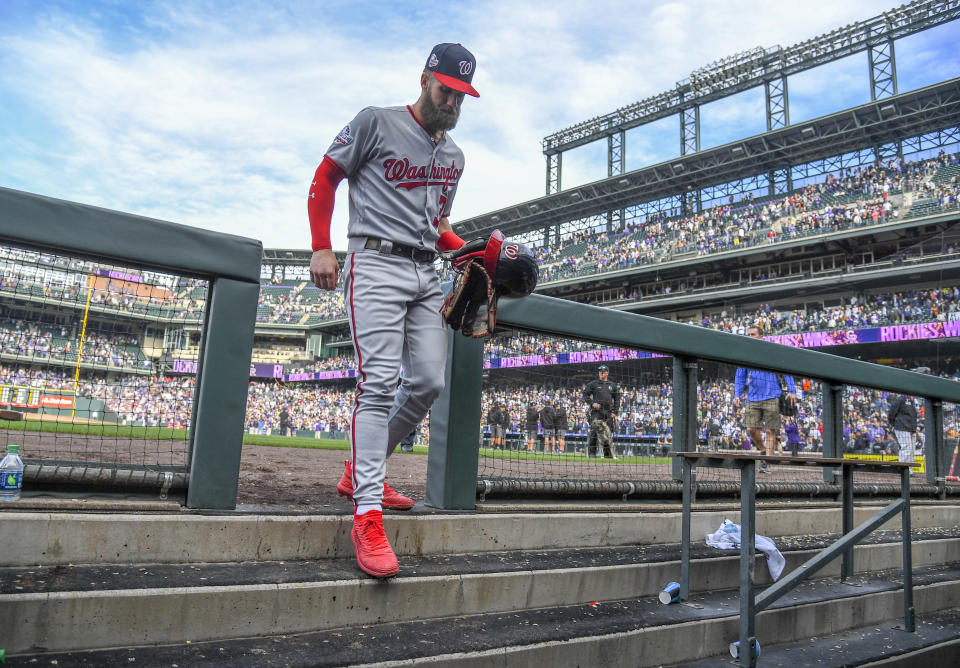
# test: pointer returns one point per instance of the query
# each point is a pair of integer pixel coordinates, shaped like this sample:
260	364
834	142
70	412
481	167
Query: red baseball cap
453	66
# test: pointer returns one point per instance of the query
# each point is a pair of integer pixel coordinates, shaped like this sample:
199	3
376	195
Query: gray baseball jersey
401	184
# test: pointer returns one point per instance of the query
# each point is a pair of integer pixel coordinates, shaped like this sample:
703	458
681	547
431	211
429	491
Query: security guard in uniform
603	397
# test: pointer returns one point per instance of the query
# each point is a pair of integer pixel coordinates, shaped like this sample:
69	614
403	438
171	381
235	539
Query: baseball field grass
67	425
72	425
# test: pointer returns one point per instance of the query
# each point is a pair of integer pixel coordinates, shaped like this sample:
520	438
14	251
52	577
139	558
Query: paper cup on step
735	648
670	593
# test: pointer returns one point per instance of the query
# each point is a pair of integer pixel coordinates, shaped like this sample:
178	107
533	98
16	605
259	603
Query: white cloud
218	118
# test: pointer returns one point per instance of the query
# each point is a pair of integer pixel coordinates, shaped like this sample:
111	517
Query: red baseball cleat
374	554
391	497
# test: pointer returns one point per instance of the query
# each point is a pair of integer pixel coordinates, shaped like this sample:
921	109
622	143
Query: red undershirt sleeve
449	241
320	202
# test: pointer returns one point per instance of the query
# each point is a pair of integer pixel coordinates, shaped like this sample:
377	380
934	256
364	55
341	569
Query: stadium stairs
523	585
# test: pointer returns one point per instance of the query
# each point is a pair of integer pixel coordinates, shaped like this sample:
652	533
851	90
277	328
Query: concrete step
626	632
61	538
935	644
61	608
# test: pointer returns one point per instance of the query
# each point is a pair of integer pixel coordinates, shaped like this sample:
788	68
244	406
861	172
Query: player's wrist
449	241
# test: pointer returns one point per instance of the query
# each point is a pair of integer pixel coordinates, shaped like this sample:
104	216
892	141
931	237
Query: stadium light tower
748	69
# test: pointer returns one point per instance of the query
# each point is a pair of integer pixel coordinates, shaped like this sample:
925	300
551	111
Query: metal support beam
690	130
750	605
909	619
691	203
616	165
846	503
688	483
933	440
889	152
781	182
750	69
615	220
851	134
748	532
883	83
778	103
798	575
554	169
883	69
616	153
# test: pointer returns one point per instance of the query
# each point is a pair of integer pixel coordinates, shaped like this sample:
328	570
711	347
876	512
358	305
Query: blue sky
215	114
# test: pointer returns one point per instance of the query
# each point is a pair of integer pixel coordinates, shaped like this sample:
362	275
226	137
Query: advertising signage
892	333
919	331
576	357
119	275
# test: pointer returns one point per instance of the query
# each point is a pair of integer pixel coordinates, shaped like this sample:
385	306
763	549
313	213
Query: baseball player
403	169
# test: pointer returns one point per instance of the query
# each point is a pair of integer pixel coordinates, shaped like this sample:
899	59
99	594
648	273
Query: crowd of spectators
30	339
856	311
292	306
645	408
345	362
310	407
165	401
860	197
522	343
114	294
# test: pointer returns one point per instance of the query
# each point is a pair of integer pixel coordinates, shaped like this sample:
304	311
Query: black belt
415	254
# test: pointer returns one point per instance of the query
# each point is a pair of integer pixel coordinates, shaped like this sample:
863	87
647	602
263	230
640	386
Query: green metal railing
230	264
751	605
454	451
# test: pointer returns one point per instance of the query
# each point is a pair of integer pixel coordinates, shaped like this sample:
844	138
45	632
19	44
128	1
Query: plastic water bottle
11	474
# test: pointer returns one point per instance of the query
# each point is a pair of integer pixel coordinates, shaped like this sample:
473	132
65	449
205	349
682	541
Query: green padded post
832	399
455	428
684	410
221	394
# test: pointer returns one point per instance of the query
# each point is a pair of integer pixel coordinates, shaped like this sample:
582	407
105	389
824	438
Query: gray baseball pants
393	305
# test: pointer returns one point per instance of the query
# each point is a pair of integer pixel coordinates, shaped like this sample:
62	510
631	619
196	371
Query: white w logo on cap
466	67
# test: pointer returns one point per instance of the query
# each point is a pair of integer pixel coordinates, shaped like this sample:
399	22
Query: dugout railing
455	419
751	605
229	264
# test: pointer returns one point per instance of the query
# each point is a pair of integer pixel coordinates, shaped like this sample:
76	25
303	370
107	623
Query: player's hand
792	398
324	269
596	405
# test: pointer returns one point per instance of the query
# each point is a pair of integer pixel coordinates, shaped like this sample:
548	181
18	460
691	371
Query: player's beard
438	119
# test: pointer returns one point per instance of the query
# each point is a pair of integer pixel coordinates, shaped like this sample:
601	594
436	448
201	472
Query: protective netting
97	361
528	378
540	386
883	426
